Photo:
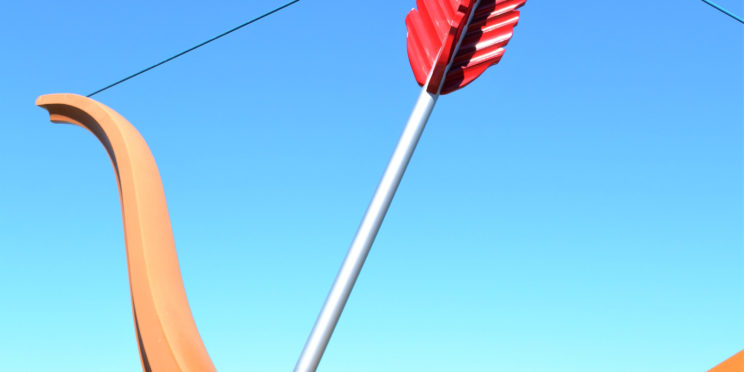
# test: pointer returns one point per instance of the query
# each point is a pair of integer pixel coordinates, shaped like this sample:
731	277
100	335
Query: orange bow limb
733	364
166	333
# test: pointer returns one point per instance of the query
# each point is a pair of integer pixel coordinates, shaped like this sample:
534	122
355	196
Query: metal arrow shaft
365	235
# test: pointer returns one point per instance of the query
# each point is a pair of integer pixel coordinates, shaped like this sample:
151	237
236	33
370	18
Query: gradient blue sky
578	208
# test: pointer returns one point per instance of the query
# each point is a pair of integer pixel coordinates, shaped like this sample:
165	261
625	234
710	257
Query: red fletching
435	27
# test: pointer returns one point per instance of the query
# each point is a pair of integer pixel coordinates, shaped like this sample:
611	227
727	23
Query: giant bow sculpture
450	43
167	336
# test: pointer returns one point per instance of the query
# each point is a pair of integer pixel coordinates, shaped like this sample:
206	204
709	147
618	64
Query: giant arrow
450	43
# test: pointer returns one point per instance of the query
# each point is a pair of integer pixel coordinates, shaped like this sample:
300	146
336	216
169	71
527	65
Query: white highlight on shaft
365	235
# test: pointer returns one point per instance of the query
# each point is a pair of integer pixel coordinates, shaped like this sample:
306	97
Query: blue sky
577	208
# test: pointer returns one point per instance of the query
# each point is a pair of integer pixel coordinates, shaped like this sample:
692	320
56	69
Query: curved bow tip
72	99
68	108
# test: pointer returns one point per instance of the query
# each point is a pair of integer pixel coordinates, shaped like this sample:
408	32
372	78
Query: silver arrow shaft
365	235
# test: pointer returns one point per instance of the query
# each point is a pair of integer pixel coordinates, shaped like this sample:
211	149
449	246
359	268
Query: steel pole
365	235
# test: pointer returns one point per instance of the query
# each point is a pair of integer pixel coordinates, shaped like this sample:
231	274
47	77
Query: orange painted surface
733	364
166	333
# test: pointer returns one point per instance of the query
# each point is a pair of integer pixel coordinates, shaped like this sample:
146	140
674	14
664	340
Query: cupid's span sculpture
167	336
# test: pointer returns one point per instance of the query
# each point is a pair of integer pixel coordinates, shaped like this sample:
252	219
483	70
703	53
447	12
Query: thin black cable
724	11
194	47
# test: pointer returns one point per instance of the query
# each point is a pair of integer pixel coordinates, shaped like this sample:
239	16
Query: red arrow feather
434	29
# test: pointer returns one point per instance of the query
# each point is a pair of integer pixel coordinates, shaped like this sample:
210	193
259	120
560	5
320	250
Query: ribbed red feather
434	28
